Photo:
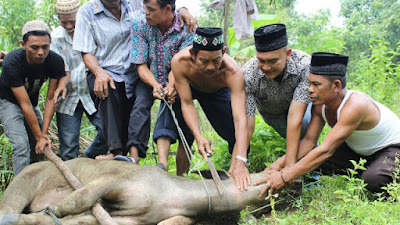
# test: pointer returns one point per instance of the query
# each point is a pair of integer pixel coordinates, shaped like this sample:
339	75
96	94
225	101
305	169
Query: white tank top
367	142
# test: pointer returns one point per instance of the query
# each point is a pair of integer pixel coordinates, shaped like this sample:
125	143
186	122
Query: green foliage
14	14
6	170
265	147
354	190
367	20
378	75
307	30
393	189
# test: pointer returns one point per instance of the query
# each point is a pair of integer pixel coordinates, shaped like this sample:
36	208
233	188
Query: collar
99	7
291	68
175	25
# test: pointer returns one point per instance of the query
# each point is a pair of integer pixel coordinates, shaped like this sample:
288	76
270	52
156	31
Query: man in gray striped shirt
102	35
78	100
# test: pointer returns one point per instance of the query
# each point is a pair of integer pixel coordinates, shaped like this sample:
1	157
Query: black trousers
114	113
380	165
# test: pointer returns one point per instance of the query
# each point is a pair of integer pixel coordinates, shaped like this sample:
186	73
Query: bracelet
283	178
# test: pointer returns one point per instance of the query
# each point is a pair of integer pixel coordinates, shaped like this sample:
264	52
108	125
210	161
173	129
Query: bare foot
106	157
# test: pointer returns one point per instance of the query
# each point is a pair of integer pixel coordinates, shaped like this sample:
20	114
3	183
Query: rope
98	211
186	146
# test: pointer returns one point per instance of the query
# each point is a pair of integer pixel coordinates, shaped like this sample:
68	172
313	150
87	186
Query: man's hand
101	85
204	146
158	91
171	93
274	166
238	170
186	18
274	182
2	55
59	93
43	141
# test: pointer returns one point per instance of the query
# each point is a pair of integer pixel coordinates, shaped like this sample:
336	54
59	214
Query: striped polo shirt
77	88
99	33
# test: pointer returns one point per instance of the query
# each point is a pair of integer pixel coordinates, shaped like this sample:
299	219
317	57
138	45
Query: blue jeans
20	135
165	126
69	131
306	121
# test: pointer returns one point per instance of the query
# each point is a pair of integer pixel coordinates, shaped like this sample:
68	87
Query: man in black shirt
24	72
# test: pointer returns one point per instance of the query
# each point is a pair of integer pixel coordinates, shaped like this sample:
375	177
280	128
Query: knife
214	174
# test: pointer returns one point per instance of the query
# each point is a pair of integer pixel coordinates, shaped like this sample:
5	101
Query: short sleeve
12	70
139	43
57	69
188	39
83	36
250	87
56	47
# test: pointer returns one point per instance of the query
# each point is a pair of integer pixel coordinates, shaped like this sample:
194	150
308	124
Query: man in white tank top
361	128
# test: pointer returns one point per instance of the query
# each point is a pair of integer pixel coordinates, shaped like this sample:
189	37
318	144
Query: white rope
186	146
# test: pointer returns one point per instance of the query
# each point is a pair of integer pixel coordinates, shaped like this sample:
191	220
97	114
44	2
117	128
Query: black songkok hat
328	64
270	37
208	38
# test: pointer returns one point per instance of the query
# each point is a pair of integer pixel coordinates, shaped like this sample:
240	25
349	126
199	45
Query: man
276	84
102	36
361	128
155	40
78	100
204	72
24	72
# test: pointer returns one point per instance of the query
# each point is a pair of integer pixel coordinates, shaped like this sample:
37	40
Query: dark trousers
217	108
140	118
114	113
380	165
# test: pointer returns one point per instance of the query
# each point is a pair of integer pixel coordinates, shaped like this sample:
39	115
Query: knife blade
215	176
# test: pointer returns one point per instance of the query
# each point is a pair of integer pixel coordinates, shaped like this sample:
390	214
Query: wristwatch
243	159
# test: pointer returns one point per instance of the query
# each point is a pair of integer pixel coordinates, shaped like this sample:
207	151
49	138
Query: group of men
115	62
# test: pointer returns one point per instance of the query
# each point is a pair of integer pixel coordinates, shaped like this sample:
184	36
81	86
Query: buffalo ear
207	174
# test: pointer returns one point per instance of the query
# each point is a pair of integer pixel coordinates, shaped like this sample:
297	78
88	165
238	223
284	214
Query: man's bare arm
251	124
352	116
238	103
29	114
187	105
294	119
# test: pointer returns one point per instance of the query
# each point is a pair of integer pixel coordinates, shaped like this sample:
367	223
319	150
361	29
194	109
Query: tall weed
379	75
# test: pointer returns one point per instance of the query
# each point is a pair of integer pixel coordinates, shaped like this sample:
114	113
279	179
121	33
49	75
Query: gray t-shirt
273	98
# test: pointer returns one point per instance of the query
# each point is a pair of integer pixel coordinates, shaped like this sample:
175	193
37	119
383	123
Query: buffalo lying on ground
131	194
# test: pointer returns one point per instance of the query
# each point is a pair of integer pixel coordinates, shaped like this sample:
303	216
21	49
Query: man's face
321	89
154	13
208	62
68	22
273	63
37	48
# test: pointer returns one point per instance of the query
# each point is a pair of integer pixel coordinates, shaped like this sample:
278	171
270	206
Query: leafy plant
355	187
266	146
393	189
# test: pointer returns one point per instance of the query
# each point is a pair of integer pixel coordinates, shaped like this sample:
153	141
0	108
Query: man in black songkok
276	85
204	72
361	129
